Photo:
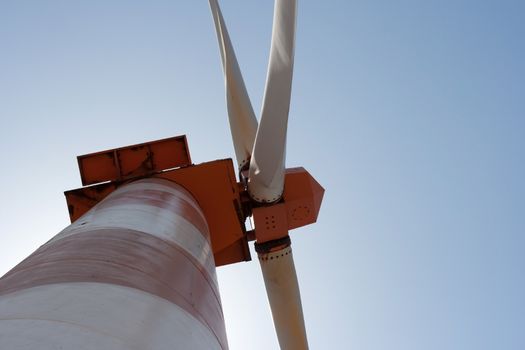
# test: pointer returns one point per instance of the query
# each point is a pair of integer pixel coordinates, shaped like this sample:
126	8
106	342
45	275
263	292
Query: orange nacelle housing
303	196
224	200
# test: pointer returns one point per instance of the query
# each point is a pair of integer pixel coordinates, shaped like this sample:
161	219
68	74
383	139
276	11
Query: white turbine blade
282	288
243	124
266	178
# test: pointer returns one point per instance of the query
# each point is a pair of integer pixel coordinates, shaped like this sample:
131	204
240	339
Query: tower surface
136	271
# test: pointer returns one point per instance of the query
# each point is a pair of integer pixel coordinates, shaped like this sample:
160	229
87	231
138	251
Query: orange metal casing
300	206
271	222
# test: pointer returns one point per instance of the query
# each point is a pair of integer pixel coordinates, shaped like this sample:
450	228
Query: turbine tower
136	269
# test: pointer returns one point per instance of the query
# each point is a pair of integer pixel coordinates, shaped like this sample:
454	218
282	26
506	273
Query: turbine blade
280	279
266	176
243	124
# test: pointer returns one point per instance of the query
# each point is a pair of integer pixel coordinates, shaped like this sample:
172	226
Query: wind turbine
261	154
136	267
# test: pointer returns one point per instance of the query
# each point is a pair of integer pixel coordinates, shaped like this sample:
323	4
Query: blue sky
410	113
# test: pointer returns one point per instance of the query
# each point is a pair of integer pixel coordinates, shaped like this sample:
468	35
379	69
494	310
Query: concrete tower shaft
135	272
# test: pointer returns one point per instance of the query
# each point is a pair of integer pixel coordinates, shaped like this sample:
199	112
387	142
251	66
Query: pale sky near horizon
410	113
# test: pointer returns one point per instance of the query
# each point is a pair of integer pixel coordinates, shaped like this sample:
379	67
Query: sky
411	114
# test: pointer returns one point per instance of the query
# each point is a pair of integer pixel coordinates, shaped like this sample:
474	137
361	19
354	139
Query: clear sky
410	113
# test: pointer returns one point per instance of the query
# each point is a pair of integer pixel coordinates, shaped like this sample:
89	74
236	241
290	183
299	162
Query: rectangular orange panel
134	161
